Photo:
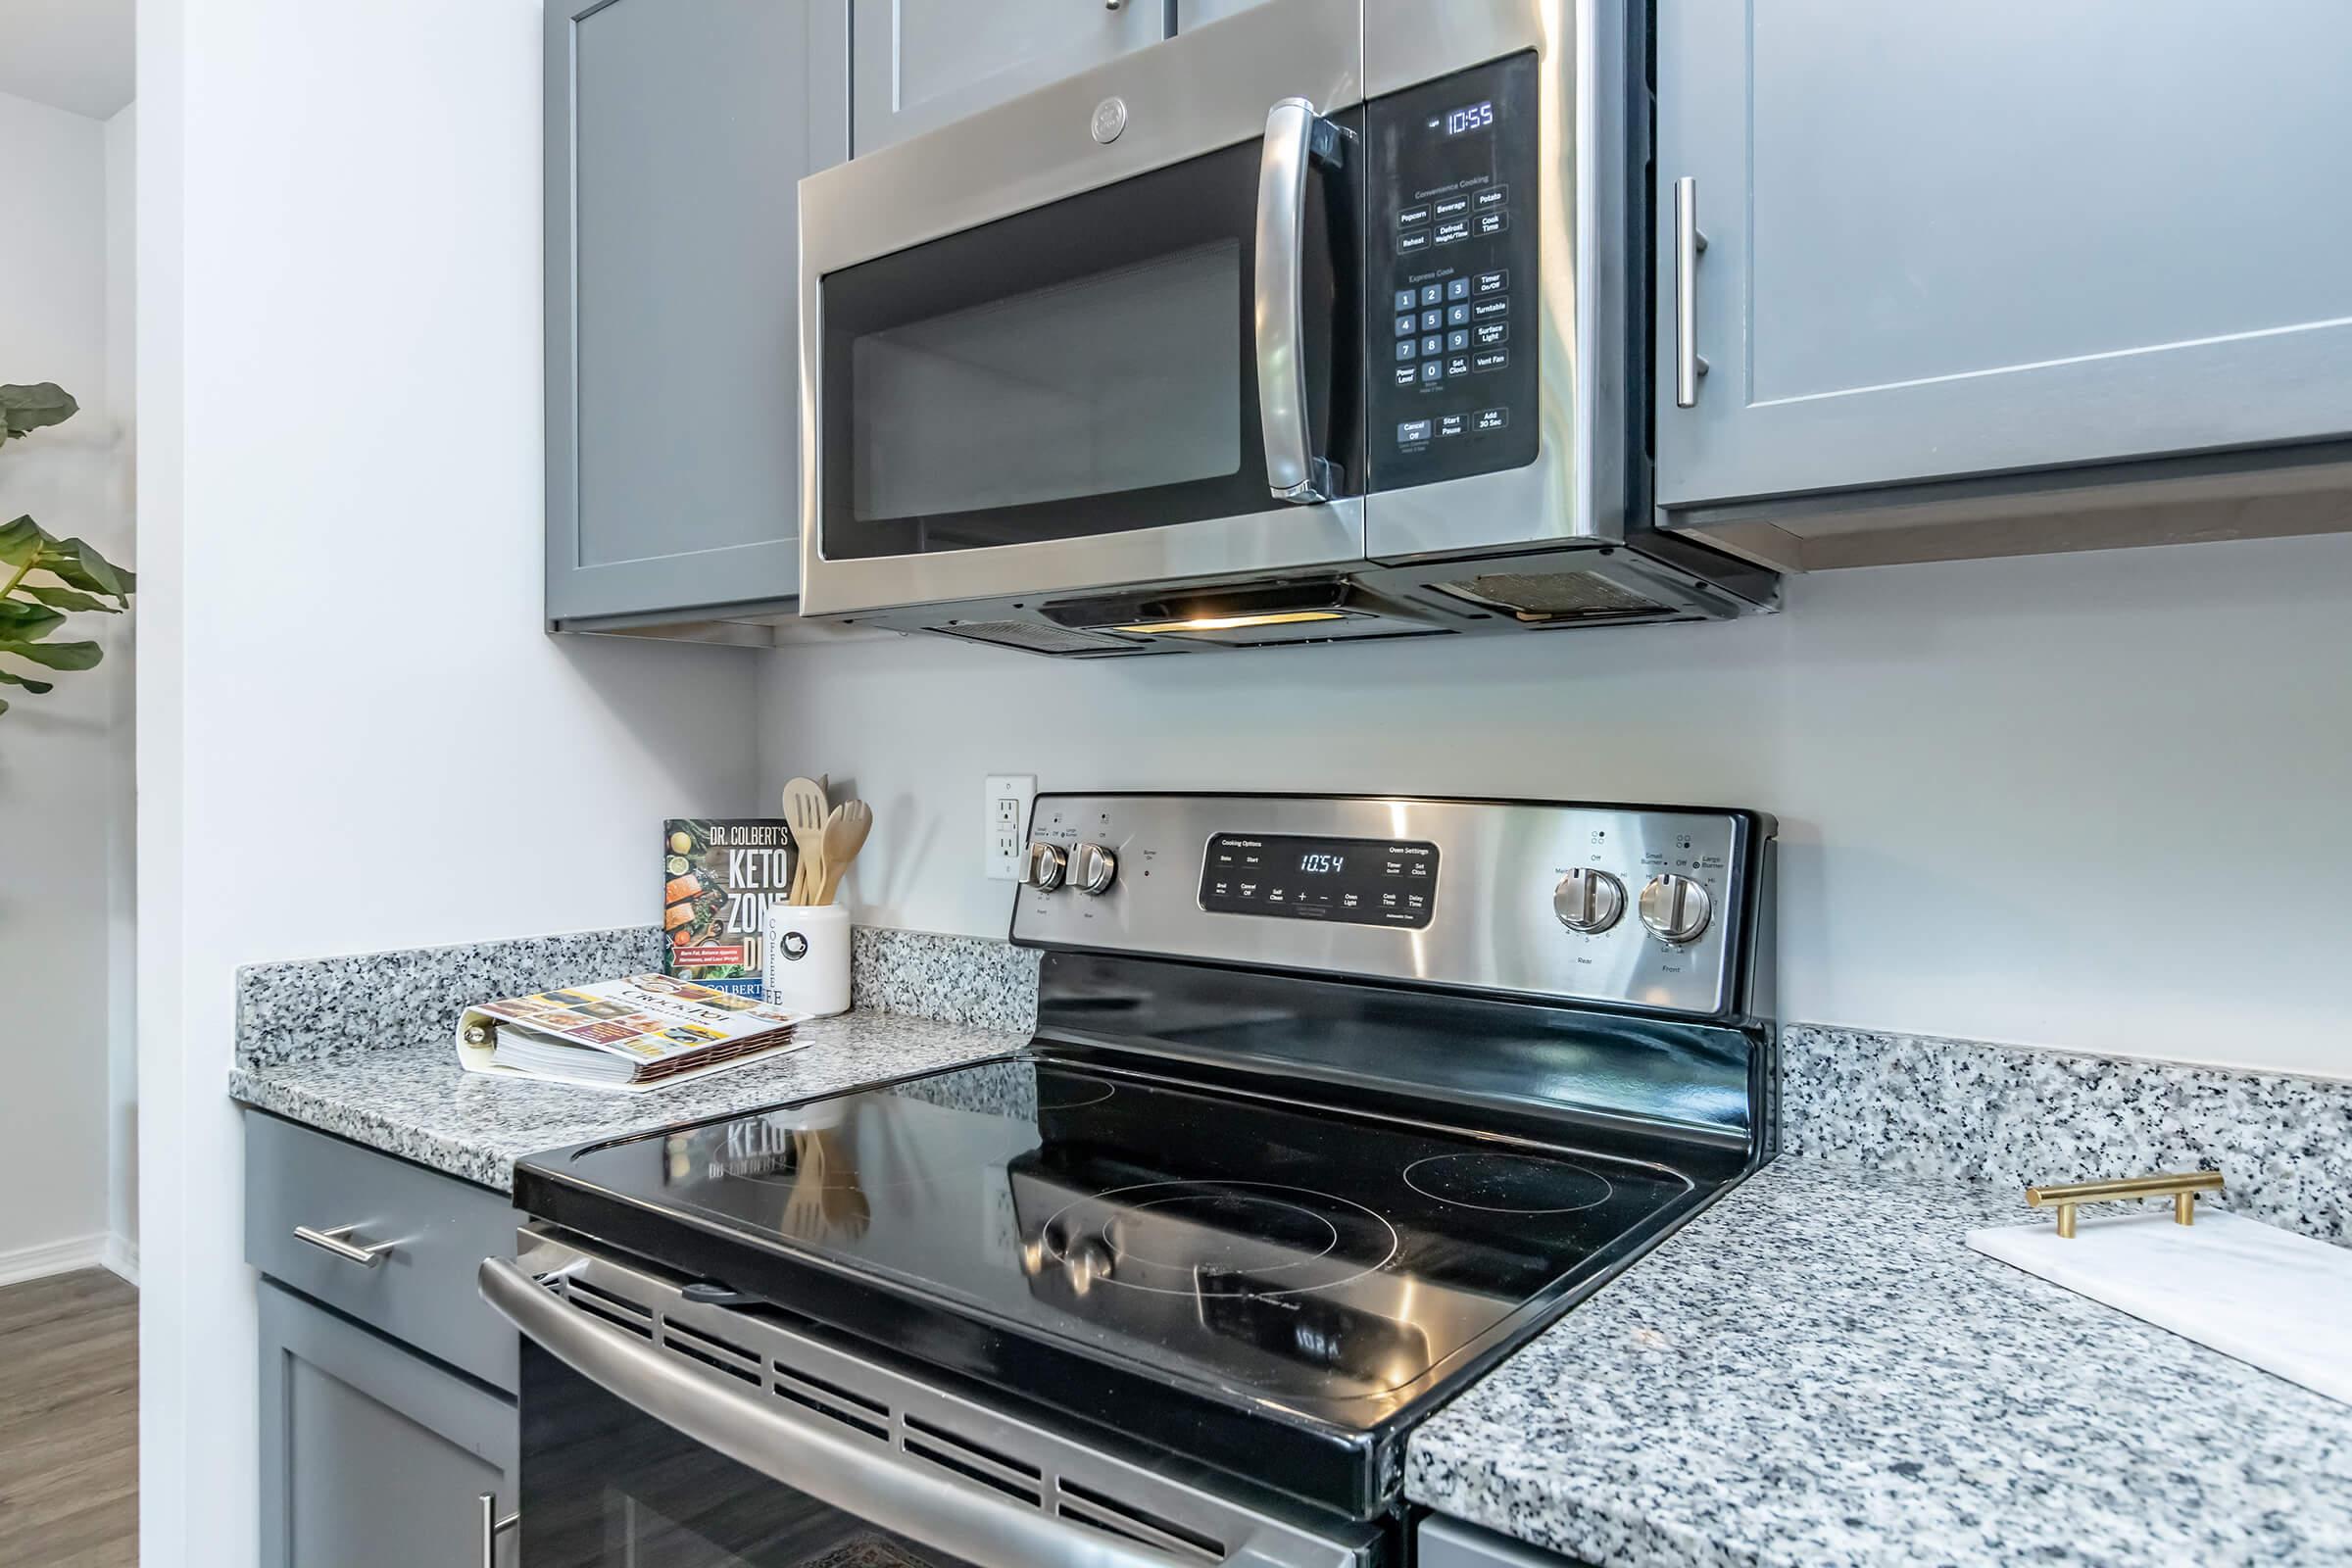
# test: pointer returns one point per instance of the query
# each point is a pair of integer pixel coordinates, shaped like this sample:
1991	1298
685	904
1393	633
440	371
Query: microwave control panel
1449	275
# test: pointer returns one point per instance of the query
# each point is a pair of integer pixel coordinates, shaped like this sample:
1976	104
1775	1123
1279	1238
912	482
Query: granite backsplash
307	1009
1913	1105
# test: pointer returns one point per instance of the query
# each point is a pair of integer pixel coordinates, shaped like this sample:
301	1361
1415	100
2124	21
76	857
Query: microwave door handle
880	1486
1294	473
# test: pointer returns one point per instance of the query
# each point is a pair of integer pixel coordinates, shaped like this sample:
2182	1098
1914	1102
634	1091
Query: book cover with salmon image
717	877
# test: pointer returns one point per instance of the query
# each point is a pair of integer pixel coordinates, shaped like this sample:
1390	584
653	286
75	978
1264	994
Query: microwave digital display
1472	116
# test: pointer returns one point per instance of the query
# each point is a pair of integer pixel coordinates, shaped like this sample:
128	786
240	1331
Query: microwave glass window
1117	381
1083	368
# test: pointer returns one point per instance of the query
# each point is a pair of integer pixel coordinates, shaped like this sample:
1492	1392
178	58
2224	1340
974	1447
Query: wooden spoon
844	835
804	813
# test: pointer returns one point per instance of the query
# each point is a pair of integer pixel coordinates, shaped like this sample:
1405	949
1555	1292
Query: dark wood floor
70	1422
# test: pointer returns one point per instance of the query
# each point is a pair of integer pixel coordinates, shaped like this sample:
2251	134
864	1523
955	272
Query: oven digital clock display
1354	881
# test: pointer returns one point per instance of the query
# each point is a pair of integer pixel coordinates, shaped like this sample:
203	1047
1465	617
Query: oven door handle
1294	138
770	1435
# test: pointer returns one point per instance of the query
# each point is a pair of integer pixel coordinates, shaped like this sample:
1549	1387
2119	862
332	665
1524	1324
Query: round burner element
1224	1225
1508	1183
1178	1237
1068	1090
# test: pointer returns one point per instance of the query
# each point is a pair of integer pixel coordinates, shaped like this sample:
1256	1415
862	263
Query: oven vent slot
833	1402
935	1444
912	1425
609	1308
1096	1511
1035	639
710	1350
1555	597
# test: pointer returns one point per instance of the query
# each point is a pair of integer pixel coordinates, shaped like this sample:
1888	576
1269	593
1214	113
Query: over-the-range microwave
1326	320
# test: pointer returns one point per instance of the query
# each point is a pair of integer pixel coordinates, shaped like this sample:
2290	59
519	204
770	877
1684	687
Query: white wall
65	759
122	801
360	738
2093	802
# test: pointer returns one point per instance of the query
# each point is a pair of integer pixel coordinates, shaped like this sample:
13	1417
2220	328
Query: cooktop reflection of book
631	1034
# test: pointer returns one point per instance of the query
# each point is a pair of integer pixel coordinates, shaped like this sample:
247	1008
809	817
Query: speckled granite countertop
1817	1372
412	1101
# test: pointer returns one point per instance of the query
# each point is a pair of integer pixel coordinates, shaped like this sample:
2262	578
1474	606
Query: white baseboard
122	1259
56	1257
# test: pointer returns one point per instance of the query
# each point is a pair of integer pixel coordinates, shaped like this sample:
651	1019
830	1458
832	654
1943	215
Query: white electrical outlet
1006	820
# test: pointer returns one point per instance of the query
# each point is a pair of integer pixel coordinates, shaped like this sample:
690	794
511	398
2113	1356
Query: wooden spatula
804	810
844	835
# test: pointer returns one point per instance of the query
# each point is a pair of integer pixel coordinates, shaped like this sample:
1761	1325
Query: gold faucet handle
2182	1187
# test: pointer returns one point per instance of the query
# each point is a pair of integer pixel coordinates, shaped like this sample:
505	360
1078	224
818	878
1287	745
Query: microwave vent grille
1542	596
1016	1462
1035	639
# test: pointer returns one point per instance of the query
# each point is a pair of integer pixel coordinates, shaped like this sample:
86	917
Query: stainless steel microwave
1324	321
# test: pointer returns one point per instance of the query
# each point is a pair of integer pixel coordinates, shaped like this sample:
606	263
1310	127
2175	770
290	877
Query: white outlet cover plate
1005	822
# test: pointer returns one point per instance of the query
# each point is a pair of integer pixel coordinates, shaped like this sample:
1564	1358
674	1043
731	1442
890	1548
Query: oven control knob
1093	868
1588	901
1675	909
1047	862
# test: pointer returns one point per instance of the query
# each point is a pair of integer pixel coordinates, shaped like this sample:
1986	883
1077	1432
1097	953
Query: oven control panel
1641	906
1306	877
1449	275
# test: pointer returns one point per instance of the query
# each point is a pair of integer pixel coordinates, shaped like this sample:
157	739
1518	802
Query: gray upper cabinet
677	131
1195	12
919	63
1976	239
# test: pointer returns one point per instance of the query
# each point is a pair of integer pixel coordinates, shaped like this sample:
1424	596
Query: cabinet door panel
677	133
1970	239
373	1456
919	63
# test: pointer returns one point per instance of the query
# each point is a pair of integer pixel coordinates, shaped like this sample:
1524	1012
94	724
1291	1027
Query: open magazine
633	1034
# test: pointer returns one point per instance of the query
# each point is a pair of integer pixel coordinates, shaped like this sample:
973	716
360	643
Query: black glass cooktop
1322	1261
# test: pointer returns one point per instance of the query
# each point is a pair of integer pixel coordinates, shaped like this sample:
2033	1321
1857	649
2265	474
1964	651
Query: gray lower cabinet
387	1407
373	1456
677	131
1445	1544
1975	239
919	64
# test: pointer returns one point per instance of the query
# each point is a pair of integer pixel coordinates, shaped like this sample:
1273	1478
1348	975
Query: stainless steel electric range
1332	1103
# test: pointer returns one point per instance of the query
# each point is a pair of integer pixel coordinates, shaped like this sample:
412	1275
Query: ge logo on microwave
1110	118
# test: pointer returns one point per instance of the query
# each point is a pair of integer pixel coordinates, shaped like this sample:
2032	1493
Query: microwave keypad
1452	178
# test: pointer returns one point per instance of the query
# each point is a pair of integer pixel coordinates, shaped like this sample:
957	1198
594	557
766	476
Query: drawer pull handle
338	1241
491	1526
2182	1187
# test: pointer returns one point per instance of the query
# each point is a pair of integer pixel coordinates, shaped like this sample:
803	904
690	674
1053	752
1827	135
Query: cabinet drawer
421	1290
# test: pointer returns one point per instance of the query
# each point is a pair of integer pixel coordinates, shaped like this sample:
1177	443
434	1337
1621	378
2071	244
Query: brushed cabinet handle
491	1526
1689	242
338	1241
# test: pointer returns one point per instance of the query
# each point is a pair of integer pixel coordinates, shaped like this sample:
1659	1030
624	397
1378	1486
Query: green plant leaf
27	622
29	407
77	564
20	541
68	599
55	656
39	688
3	704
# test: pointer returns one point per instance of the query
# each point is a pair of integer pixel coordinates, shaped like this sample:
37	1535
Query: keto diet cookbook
632	1034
